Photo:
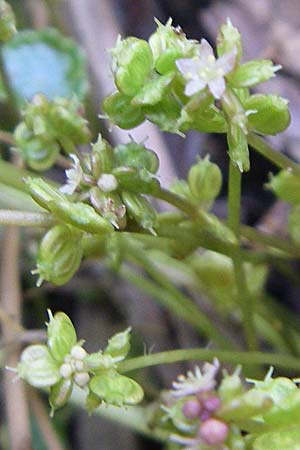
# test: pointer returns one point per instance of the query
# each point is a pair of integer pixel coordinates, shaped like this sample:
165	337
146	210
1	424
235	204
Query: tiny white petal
205	50
217	87
227	61
194	86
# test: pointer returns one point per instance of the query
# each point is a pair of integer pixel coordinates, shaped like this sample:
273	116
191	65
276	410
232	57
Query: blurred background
99	302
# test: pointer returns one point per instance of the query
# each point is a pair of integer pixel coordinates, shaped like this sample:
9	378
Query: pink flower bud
191	409
213	431
212	403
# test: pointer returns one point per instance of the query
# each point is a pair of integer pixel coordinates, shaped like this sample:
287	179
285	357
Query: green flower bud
245	406
132	63
59	255
39	154
116	389
140	210
238	147
287	438
153	92
60	394
229	38
66	118
136	181
110	206
137	156
231	386
122	112
210	120
269	113
169	43
81	216
294	224
165	114
98	361
41	192
38	367
92	402
7	22
284	414
101	158
286	186
61	335
205	181
119	345
253	72
181	187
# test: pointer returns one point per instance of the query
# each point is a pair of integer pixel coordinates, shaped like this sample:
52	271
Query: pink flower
205	70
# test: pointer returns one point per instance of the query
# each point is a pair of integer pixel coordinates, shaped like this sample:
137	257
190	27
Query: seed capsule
59	255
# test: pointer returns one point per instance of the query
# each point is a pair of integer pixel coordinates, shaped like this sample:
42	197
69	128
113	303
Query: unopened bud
269	114
205	181
286	185
214	431
81	379
66	370
60	255
132	62
253	72
192	409
122	112
78	352
229	38
137	156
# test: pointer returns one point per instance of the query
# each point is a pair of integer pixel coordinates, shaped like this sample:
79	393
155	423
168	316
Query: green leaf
38	367
116	389
45	62
287	439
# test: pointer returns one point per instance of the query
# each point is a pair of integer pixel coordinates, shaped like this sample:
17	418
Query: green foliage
63	362
31	55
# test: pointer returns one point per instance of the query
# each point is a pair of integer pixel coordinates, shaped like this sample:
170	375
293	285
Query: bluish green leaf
45	62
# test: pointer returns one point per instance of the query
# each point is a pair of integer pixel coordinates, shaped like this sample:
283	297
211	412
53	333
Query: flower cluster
63	363
207	410
48	126
179	84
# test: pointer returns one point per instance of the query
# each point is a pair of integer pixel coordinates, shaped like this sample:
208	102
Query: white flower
205	70
74	177
196	382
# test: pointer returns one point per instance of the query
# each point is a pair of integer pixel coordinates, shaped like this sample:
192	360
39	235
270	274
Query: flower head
205	70
74	177
196	382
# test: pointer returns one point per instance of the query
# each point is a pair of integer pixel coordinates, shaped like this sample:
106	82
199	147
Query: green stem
25	218
203	354
265	149
243	295
172	297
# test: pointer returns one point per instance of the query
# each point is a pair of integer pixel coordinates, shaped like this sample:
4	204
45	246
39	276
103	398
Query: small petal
194	86
227	61
217	87
205	50
187	66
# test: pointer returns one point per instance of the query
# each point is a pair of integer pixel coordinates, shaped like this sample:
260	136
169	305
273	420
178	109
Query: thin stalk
266	150
173	299
203	354
25	218
10	296
243	295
